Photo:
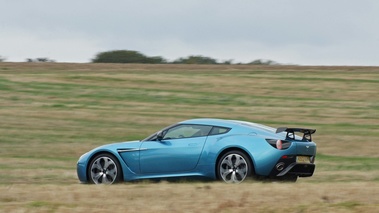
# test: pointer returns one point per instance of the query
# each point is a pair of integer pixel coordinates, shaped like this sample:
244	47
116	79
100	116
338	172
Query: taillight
279	144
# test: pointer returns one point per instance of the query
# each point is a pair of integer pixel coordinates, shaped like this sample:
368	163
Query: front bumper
81	168
82	173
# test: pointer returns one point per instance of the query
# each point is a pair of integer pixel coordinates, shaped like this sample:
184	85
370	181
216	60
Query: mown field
51	113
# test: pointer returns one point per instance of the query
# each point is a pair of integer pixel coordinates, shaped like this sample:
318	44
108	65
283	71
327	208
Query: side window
216	130
187	131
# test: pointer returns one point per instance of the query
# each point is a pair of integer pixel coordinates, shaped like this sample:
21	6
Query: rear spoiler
307	133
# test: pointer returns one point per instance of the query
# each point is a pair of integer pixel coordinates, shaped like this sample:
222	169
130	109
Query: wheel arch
234	149
100	153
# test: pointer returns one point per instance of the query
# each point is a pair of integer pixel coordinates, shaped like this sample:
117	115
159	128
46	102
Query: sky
303	32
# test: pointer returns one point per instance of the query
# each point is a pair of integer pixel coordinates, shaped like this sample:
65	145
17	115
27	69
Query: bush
126	56
39	60
263	62
196	60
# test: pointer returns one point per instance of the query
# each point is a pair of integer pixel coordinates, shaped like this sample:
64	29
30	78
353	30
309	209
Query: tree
197	59
126	56
230	61
156	60
263	62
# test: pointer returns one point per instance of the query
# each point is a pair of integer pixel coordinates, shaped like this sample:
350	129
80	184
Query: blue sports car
228	150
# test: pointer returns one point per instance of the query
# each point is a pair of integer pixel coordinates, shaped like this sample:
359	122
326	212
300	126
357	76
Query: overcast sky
304	32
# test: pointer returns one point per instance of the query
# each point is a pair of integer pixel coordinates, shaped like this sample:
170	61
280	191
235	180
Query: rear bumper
289	166
301	170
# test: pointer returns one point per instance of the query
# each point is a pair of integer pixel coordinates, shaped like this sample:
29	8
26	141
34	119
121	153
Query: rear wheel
104	169
234	167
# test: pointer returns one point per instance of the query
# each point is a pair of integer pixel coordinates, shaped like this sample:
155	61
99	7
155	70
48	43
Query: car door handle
192	144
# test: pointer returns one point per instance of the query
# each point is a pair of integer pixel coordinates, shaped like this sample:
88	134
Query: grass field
51	113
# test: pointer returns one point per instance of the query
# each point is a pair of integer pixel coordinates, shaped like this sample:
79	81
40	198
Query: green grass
343	163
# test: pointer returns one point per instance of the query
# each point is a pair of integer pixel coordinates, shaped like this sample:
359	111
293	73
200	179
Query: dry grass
51	113
192	197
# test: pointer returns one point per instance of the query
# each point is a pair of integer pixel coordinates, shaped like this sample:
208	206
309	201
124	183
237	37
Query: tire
234	167
104	169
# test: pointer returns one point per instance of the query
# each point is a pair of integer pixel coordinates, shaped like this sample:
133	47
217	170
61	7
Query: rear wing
307	133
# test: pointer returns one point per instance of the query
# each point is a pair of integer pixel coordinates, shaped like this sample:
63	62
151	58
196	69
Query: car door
178	151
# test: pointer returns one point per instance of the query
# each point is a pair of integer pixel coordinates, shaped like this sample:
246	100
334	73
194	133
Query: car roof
230	124
210	121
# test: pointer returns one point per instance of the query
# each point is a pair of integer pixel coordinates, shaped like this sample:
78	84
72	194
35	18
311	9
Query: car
228	150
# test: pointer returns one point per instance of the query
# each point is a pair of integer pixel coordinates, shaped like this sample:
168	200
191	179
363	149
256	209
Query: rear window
217	130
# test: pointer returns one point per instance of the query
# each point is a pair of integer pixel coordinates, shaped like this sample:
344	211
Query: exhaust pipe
279	166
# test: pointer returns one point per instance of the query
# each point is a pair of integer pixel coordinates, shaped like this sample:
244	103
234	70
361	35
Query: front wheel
234	167
104	169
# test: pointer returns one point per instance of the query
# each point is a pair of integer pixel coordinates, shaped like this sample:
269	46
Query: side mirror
159	135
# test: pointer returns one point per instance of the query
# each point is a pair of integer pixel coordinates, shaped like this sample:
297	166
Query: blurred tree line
39	60
129	56
2	59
